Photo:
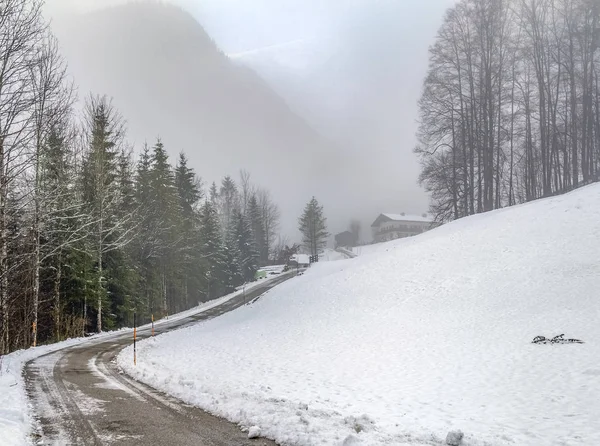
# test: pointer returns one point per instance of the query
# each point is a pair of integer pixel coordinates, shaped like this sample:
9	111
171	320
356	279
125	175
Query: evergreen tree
122	286
127	191
249	256
232	273
101	190
313	226
62	228
190	194
211	250
188	187
256	224
229	201
166	213
214	194
146	243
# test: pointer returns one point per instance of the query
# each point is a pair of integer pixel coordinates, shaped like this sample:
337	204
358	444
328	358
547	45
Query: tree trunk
36	279
4	335
100	285
57	280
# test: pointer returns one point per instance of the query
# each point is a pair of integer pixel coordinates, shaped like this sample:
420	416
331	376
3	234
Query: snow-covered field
330	255
15	411
372	249
430	334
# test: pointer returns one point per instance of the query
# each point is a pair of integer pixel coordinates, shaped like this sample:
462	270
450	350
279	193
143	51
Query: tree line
88	234
510	110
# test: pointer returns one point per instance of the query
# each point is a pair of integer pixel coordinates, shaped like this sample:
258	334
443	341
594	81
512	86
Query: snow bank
430	335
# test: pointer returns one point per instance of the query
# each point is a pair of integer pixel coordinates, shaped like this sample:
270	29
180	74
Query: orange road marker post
134	337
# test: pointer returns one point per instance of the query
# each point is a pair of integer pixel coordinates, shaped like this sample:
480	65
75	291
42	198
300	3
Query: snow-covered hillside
399	347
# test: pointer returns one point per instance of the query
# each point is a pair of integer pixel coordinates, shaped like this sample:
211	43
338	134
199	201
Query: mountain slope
403	345
359	84
168	78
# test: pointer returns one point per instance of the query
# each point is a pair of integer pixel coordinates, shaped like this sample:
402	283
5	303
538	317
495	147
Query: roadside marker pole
153	325
134	336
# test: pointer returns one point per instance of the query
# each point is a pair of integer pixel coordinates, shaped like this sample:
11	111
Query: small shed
346	239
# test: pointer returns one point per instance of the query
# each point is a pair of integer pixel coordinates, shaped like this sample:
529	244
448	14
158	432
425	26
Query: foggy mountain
359	84
169	79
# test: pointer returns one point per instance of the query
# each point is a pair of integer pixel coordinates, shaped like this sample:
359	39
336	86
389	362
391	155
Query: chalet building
345	239
393	226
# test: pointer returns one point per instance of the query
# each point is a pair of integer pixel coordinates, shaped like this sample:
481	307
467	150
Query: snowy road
79	397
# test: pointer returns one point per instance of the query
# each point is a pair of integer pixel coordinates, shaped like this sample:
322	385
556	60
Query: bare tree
507	112
53	98
270	215
247	189
21	33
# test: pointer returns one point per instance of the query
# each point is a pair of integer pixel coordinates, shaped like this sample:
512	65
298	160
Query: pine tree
249	256
146	243
229	201
125	177
122	272
166	212
313	226
214	194
190	194
188	186
62	229
101	189
269	214
256	224
232	273
212	250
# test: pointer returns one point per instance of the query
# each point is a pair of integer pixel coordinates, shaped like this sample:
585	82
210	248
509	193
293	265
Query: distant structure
346	239
393	226
299	260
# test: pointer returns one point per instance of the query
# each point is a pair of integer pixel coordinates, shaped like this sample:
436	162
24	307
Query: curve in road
79	396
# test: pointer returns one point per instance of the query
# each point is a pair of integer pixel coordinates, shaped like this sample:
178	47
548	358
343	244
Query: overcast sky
381	47
239	25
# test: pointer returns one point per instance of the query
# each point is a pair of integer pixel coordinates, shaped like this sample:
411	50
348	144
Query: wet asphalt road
79	397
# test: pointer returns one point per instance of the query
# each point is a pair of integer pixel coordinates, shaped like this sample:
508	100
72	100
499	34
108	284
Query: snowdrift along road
400	346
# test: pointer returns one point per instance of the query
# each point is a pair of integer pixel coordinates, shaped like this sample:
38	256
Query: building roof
402	217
